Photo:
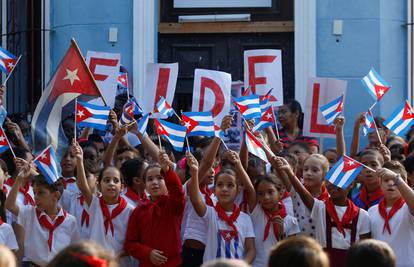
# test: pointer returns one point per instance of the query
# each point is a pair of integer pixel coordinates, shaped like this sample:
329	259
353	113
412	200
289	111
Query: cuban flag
401	119
3	115
344	172
333	109
266	120
266	100
163	107
4	142
92	116
131	108
255	147
174	133
123	79
228	245
369	125
218	132
47	164
375	85
249	106
198	123
143	123
7	61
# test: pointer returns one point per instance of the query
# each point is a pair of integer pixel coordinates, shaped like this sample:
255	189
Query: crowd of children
151	206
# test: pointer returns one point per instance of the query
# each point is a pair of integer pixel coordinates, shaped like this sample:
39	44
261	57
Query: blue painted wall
89	22
373	36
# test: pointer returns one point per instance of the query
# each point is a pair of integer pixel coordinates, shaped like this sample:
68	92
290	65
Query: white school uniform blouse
338	241
20	200
7	237
36	248
302	214
71	189
76	209
288	205
259	219
215	243
401	239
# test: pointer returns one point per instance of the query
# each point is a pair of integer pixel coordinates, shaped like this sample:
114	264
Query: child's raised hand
157	258
164	161
23	168
192	164
133	126
339	122
278	220
226	122
249	124
121	131
386	153
386	174
234	158
76	151
280	164
360	119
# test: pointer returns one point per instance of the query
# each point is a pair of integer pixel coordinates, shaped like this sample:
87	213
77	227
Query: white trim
45	37
410	52
305	46
143	42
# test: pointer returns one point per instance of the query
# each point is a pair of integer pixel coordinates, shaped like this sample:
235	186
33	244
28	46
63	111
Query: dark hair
297	251
410	147
409	164
372	152
397	152
227	171
301	144
74	255
410	134
88	143
370	253
397	167
123	149
265	179
101	172
290	158
294	106
96	138
132	168
330	150
8	158
151	166
2	205
40	180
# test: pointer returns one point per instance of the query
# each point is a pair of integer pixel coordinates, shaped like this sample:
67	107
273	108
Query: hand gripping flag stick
375	124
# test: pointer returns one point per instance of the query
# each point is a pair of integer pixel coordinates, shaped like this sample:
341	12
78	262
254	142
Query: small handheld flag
344	172
401	119
369	123
123	80
163	107
143	123
3	115
249	106
375	85
4	142
47	164
174	133
93	116
266	100
7	61
333	109
131	108
198	123
266	120
255	147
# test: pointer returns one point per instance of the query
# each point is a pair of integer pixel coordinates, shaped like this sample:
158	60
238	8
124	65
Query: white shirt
20	201
76	209
36	248
338	241
71	189
259	219
302	214
7	237
215	240
288	205
401	239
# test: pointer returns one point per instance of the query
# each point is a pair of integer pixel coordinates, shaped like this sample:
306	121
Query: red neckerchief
229	220
281	211
1	221
244	205
85	214
363	195
93	261
285	195
382	208
115	212
132	195
5	189
68	181
324	196
44	222
207	192
351	212
28	200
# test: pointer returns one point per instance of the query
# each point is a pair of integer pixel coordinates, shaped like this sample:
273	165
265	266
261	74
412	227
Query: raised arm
83	185
24	169
307	198
355	137
17	132
275	145
195	195
108	157
339	131
244	178
280	173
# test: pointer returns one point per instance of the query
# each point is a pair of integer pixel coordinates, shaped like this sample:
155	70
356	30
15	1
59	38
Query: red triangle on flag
380	91
268	115
73	76
189	123
160	129
3	139
256	143
341	105
130	109
350	164
9	63
241	107
45	157
82	113
408	112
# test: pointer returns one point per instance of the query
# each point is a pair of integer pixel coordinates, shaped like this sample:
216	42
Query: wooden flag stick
159	141
8	76
375	124
76	113
11	149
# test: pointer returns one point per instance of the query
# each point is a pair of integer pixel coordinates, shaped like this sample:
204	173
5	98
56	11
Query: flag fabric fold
333	109
7	61
47	164
198	123
266	120
164	108
375	85
92	116
130	109
174	133
344	172
401	119
4	142
143	123
249	106
369	125
255	147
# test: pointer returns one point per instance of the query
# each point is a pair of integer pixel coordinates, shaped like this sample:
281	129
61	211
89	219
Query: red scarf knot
351	212
363	195
109	216
85	214
207	192
132	195
284	196
228	219
280	211
382	209
67	181
45	223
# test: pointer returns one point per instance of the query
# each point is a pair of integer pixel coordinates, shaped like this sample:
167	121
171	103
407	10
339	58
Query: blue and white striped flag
198	123
48	165
131	108
92	116
375	85
249	106
333	109
143	123
369	125
174	133
401	119
344	172
163	107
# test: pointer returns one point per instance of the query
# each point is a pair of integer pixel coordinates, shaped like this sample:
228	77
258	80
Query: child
47	227
108	213
270	219
301	150
7	258
153	235
409	167
68	179
392	220
132	170
370	192
338	221
370	252
7	236
229	231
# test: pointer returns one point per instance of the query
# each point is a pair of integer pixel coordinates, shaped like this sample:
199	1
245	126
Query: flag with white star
344	172
375	85
4	142
92	116
333	109
174	133
401	119
266	120
47	164
131	108
7	61
198	123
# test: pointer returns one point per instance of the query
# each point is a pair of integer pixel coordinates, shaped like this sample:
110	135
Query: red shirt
156	225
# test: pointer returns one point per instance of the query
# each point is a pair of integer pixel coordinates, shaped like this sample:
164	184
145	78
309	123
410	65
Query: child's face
154	183
111	184
44	198
209	178
68	164
332	158
389	189
313	172
368	177
124	156
267	195
300	153
226	188
373	136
